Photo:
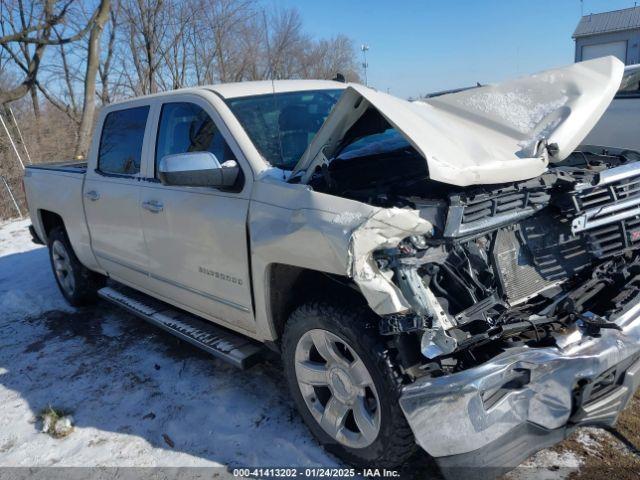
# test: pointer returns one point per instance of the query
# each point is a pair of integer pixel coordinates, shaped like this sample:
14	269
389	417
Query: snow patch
56	425
590	439
518	108
547	465
347	218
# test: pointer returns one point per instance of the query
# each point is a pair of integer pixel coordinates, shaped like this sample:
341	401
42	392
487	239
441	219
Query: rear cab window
121	141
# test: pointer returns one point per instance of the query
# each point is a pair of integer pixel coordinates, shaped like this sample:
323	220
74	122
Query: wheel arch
290	286
49	220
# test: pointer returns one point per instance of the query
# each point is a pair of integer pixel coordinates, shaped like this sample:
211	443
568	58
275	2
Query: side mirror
197	169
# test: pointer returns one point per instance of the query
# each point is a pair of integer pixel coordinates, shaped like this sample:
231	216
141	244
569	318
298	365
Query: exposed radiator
535	255
519	277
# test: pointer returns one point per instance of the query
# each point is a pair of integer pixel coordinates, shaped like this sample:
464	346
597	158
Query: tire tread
87	282
356	322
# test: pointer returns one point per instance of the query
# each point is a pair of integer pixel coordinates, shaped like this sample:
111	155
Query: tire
352	333
77	283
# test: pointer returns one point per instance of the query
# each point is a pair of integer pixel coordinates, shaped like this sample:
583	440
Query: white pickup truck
456	274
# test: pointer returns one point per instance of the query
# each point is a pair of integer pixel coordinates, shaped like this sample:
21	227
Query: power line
15	203
11	141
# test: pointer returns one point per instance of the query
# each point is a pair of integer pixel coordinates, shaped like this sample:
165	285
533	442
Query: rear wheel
345	385
78	284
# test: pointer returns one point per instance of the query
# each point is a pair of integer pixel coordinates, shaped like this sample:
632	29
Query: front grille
475	214
605	194
480	208
615	238
608	214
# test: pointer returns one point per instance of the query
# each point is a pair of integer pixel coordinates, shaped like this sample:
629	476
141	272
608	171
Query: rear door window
186	127
121	141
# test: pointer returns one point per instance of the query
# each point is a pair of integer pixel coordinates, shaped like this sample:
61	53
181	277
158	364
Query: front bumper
494	416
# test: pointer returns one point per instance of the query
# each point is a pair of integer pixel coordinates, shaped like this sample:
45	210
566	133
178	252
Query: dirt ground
612	453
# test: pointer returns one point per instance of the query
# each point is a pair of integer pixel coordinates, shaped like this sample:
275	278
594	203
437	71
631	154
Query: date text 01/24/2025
315	472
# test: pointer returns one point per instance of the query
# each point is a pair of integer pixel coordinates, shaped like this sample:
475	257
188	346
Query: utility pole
365	65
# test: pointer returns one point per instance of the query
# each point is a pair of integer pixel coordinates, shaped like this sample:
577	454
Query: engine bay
508	265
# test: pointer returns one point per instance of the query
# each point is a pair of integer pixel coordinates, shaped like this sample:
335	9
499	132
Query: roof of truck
248	89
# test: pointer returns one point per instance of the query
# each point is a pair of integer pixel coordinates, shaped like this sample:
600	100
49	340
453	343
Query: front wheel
77	283
345	386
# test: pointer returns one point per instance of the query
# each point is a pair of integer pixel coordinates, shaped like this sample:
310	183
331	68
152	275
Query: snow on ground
138	397
547	465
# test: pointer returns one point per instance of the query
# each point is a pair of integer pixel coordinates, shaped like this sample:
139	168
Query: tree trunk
35	101
93	61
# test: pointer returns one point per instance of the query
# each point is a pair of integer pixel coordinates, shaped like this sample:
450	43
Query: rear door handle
92	195
153	206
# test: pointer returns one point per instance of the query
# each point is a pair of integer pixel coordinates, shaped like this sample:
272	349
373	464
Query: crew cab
458	274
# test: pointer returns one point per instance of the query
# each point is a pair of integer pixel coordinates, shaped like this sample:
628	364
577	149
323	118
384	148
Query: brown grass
49	138
614	454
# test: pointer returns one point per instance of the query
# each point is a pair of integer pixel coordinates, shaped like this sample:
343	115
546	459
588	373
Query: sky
418	47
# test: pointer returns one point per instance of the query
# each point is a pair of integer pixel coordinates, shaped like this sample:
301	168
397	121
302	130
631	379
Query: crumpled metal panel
385	228
324	233
452	415
486	135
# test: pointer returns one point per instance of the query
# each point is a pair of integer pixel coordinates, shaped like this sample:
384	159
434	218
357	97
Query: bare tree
177	51
106	65
93	62
328	57
219	54
287	44
38	27
145	30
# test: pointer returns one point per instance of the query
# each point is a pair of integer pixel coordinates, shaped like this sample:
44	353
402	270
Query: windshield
293	117
388	141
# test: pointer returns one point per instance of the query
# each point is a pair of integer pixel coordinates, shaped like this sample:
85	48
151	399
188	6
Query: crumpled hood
485	135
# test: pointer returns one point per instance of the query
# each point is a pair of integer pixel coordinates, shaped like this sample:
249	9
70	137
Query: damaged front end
522	315
503	264
516	265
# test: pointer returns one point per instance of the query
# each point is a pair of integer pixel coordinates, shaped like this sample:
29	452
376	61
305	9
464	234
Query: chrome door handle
153	206
92	195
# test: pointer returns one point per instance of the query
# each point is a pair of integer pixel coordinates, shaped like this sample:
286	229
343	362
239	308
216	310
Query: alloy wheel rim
62	267
337	388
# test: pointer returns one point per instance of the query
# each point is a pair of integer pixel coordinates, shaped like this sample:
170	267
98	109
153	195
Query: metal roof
606	22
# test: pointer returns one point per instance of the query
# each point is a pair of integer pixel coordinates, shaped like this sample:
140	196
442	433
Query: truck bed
68	166
56	189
